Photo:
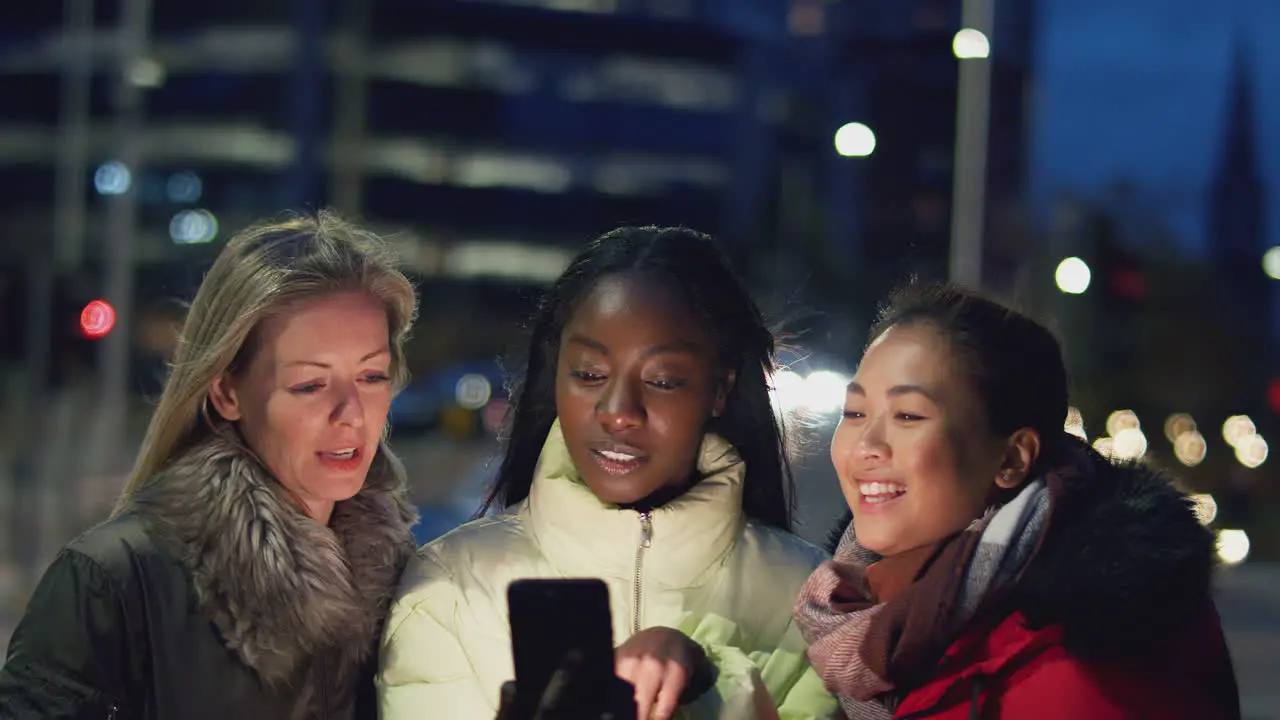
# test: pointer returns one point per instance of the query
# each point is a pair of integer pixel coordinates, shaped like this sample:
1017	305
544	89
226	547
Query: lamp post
135	74
969	176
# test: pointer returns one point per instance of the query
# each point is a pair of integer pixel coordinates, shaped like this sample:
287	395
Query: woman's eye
586	376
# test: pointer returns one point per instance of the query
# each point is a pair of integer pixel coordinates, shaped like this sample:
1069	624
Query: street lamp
1073	276
969	176
1271	263
855	140
970	44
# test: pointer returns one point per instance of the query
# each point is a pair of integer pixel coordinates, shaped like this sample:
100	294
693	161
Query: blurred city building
902	60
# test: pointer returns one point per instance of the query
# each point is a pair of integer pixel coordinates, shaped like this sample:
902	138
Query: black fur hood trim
1125	561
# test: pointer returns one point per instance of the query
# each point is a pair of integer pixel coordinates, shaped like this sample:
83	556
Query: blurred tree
1149	335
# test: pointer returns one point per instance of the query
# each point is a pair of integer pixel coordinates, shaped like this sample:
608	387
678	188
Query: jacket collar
1125	561
280	588
580	535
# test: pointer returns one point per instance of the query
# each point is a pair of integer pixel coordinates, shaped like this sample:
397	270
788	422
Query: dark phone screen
551	618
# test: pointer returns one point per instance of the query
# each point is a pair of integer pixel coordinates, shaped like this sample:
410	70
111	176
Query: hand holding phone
556	702
562	647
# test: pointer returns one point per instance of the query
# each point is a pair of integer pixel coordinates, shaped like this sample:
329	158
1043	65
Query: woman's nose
620	407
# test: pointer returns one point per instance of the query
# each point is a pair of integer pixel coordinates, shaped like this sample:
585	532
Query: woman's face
636	383
313	400
915	460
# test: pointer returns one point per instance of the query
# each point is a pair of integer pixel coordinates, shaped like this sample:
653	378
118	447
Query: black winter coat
212	597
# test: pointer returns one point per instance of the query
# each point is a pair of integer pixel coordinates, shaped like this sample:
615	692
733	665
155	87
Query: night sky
1136	89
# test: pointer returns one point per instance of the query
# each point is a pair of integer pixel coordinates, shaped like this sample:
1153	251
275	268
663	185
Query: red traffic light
1129	284
1273	396
97	319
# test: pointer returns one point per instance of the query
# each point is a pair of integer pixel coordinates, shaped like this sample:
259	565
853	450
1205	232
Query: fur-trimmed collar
1125	562
281	589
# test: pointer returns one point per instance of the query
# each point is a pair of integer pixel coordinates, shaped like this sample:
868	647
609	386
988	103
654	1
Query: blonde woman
251	558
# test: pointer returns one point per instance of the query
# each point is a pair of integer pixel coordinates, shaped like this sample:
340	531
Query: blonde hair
262	270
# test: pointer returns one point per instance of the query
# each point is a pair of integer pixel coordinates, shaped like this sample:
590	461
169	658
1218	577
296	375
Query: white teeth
617	456
343	454
874	491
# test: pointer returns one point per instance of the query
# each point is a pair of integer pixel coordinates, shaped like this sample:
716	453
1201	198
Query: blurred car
452	399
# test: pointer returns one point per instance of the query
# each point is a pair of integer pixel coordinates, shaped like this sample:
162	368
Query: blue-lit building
538	123
492	137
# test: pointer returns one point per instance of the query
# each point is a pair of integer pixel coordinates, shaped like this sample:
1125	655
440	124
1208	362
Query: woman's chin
879	543
336	489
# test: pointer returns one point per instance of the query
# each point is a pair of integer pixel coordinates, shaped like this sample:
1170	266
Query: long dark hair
698	269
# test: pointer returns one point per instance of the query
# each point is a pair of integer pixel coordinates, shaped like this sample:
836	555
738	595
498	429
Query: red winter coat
1113	618
1015	673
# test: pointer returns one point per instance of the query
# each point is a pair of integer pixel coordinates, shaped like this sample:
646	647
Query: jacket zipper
112	709
975	701
646	539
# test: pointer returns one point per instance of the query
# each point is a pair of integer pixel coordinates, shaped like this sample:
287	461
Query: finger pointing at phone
664	665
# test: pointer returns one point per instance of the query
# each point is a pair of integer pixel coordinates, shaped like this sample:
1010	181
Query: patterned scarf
873	623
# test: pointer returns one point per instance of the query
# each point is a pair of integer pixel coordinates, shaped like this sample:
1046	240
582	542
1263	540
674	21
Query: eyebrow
317	363
676	346
899	390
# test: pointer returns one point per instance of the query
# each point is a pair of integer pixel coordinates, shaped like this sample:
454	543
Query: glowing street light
472	391
1233	546
112	178
1122	420
1271	263
855	140
1129	444
1252	451
1190	448
1237	428
1073	276
1177	424
96	319
970	44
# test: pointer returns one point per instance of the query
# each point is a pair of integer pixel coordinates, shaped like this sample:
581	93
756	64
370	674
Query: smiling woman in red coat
997	567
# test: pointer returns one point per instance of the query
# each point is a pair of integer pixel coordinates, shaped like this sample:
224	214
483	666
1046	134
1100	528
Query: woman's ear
1020	454
224	398
723	388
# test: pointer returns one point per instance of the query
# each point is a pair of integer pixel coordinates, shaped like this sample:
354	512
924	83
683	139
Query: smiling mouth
617	462
875	493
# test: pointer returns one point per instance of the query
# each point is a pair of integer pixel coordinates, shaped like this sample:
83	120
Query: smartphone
551	618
